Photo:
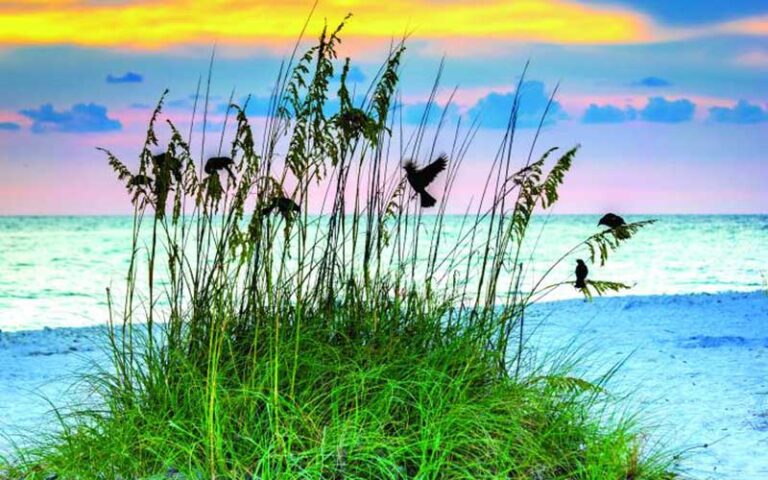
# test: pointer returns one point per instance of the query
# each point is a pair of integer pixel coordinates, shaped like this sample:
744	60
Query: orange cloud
751	26
163	23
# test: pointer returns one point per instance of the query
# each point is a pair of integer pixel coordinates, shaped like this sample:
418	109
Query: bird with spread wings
420	178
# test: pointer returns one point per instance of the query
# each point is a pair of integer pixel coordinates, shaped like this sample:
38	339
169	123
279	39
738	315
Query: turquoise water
54	270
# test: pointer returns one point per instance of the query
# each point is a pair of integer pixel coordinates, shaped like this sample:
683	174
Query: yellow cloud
161	23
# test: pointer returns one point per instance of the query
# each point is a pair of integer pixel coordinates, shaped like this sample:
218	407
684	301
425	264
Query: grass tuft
253	342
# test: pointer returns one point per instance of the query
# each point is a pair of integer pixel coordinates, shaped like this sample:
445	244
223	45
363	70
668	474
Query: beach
694	368
694	359
518	240
697	380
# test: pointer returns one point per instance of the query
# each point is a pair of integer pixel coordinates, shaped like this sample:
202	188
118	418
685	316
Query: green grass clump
355	412
357	343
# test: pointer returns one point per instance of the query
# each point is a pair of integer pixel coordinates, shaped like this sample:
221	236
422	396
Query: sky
668	99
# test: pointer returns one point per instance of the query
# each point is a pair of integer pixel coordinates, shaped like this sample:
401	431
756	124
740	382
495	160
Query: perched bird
214	164
283	204
615	222
581	274
354	121
611	220
140	184
419	178
163	161
140	181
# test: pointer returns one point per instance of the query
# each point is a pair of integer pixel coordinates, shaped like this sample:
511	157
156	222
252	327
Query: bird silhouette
140	181
283	204
354	121
419	178
611	220
581	274
214	164
164	162
615	223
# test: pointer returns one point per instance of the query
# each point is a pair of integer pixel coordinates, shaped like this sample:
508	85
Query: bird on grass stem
166	164
611	220
581	274
615	223
140	181
214	164
419	178
284	205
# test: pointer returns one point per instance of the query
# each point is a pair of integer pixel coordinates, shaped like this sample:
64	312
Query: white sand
697	368
699	371
37	366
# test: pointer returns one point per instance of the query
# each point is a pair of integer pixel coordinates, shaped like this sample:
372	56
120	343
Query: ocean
54	270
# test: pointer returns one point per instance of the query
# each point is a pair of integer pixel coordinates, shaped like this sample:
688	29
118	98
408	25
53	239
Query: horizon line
668	214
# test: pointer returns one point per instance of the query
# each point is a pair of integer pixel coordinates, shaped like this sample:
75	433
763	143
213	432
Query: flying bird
581	274
611	220
283	204
419	178
214	164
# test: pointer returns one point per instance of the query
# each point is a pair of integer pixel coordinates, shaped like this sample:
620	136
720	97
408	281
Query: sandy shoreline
698	369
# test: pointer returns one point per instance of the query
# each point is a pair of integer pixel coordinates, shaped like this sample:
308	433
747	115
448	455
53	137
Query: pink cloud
755	58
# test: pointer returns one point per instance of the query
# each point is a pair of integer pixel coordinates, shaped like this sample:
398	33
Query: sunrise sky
669	99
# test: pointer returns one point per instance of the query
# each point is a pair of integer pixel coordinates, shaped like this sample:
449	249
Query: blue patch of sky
81	118
661	110
743	113
9	126
653	82
534	101
657	110
681	12
128	77
608	114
